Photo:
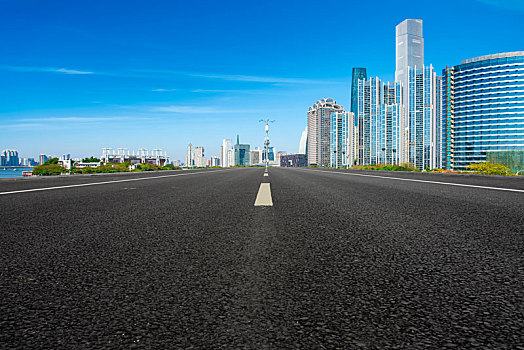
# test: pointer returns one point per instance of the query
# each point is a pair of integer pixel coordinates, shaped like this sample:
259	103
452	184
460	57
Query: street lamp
266	140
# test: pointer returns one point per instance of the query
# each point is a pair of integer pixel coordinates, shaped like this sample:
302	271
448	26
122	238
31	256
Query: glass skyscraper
379	106
484	108
357	74
242	153
341	139
418	124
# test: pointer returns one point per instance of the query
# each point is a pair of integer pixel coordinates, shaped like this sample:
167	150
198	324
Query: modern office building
357	74
514	160
379	108
417	124
341	139
293	160
242	153
319	120
226	154
190	156
199	157
484	108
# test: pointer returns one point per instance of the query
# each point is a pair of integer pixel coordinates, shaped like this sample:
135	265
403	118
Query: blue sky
77	76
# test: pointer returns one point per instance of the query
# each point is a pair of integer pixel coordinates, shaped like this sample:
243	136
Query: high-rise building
190	156
242	153
43	158
422	117
378	122
356	75
341	139
226	159
10	158
199	157
483	108
319	121
418	120
302	148
440	125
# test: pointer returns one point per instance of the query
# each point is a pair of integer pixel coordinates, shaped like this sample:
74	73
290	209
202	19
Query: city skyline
68	88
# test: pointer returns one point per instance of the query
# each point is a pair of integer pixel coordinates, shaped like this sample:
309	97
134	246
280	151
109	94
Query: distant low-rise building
293	160
82	165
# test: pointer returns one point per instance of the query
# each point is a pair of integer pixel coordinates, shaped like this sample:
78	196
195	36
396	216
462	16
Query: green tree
90	160
487	168
51	161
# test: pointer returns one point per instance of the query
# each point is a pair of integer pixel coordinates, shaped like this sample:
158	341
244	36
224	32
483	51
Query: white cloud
163	90
82	119
43	69
70	71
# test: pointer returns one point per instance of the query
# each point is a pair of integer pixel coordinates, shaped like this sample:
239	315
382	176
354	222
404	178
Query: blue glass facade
379	109
484	106
340	137
357	74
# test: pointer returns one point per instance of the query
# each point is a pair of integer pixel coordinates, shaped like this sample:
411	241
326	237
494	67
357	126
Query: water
13	172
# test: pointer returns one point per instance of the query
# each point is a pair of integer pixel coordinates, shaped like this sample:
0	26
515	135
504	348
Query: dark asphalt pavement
340	261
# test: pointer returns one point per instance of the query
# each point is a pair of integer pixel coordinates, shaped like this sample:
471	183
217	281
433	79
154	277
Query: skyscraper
226	160
190	156
199	158
341	139
302	148
483	108
418	120
378	122
10	158
242	153
356	75
319	121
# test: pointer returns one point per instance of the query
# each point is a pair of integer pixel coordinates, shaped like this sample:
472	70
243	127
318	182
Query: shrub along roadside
48	170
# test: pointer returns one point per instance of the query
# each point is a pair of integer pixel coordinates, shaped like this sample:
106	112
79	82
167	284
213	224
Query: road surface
332	259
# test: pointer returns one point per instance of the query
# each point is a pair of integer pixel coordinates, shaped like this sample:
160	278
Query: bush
48	169
169	167
147	167
387	167
487	168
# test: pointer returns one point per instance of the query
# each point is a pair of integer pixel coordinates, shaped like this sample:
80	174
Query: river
13	172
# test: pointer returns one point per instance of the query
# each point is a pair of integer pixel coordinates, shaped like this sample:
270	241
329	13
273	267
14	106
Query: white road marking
104	182
264	196
426	181
266	174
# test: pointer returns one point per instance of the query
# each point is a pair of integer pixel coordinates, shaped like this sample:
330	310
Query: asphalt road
340	260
